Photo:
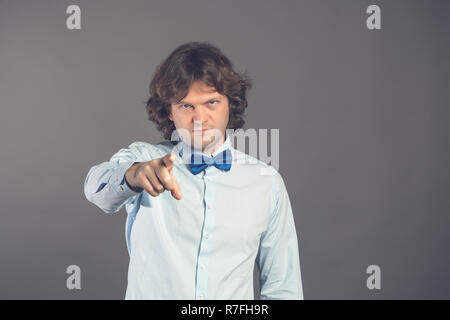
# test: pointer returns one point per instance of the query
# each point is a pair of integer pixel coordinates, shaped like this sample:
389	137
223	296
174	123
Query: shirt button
202	266
201	296
208	206
206	236
120	187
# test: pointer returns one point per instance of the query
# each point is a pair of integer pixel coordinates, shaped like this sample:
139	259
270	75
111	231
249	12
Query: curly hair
188	63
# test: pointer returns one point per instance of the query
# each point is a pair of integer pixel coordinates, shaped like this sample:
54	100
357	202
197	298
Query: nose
199	116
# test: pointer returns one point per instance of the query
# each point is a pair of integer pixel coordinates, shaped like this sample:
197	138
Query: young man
200	213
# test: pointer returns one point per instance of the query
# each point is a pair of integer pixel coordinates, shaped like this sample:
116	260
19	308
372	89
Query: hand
154	176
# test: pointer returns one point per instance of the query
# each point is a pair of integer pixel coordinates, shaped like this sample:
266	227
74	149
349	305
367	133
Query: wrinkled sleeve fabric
278	255
105	184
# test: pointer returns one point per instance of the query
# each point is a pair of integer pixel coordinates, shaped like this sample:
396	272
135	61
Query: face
201	117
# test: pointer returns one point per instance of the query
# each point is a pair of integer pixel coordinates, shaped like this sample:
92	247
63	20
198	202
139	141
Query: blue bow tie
199	162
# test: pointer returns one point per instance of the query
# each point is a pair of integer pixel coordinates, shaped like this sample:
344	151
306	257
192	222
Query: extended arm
105	184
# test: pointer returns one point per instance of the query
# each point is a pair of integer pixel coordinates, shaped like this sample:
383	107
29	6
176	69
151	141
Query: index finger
176	192
168	160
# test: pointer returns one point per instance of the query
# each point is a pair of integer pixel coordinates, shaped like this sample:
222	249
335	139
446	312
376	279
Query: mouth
200	131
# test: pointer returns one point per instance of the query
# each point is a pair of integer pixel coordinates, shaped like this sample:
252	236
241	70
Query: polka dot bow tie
199	162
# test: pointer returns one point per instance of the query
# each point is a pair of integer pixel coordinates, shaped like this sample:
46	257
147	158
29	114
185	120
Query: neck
210	148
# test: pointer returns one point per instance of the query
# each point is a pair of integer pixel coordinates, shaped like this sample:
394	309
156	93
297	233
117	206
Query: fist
154	176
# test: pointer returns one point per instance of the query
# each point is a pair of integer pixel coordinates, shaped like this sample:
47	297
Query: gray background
363	118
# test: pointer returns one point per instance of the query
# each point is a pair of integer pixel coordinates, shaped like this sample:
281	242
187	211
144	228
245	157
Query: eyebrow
212	98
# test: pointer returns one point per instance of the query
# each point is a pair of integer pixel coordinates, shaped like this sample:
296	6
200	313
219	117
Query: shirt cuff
122	188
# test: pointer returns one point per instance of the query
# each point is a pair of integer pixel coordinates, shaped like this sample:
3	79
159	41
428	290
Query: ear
170	113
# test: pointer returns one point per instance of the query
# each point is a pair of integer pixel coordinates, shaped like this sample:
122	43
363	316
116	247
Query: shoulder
241	158
265	176
257	168
147	151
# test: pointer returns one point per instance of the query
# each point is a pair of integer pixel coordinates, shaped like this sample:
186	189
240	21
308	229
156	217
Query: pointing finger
168	160
176	192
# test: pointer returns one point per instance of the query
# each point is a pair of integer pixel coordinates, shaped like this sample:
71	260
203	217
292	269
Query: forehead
199	87
199	92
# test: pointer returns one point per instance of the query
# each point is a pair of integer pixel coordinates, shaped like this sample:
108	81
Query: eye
183	106
213	101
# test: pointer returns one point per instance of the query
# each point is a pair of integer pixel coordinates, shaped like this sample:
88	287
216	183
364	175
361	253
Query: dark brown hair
188	63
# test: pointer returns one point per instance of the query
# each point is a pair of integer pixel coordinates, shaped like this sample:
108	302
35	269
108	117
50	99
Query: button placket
205	246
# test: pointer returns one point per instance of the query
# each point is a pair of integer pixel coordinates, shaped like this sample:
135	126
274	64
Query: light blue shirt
205	245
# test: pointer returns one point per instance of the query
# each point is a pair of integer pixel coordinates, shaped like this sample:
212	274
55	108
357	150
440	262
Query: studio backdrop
358	92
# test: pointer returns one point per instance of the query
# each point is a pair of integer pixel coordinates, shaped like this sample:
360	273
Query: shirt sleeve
105	184
278	255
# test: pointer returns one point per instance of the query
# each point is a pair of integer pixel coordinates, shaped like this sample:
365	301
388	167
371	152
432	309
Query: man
200	213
